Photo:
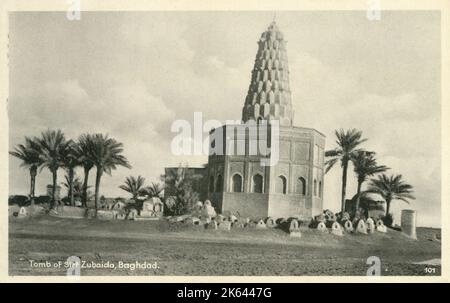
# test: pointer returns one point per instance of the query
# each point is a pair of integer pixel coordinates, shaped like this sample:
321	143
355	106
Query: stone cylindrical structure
408	222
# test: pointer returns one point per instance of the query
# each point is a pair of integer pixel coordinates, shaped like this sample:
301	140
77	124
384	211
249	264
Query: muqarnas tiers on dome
269	94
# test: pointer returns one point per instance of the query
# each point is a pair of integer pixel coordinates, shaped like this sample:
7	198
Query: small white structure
233	219
294	230
361	227
220	218
208	211
152	207
23	212
370	225
270	222
261	225
336	229
348	226
322	227
382	228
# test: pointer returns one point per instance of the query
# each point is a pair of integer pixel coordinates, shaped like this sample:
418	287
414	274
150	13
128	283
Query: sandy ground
179	249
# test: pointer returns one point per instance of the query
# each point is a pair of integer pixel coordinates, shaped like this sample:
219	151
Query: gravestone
294	230
233	219
336	229
382	228
370	225
270	222
23	212
322	227
348	226
192	221
261	225
361	227
208	211
380	222
220	218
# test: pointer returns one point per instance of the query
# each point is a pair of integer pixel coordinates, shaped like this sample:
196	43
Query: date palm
77	187
347	143
391	188
54	147
71	160
30	155
133	185
364	166
106	155
84	145
154	190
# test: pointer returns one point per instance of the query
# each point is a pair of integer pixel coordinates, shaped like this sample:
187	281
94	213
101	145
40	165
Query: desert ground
181	249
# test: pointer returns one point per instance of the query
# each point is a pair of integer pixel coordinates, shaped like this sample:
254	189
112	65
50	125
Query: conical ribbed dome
269	95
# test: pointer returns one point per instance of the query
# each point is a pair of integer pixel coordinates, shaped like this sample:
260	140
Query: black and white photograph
211	143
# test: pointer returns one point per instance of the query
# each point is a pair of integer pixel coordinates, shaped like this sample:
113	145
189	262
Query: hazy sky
131	74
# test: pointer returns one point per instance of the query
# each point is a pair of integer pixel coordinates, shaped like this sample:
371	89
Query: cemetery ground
182	249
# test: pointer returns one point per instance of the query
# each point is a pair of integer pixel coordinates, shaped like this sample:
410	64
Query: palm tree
84	145
77	187
53	147
154	190
70	161
106	155
347	142
391	188
29	154
180	190
365	165
133	185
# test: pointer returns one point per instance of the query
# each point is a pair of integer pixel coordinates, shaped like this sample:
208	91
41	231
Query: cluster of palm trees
136	187
365	165
52	150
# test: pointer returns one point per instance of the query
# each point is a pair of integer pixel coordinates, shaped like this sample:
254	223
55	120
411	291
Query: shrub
18	200
388	220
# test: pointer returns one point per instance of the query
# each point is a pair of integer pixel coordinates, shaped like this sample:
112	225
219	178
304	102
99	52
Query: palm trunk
344	184
85	186
55	177
33	173
388	206
97	188
358	195
71	175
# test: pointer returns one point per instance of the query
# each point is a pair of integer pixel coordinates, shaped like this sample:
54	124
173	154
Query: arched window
236	183
257	184
280	185
320	189
315	187
301	186
211	184
219	184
